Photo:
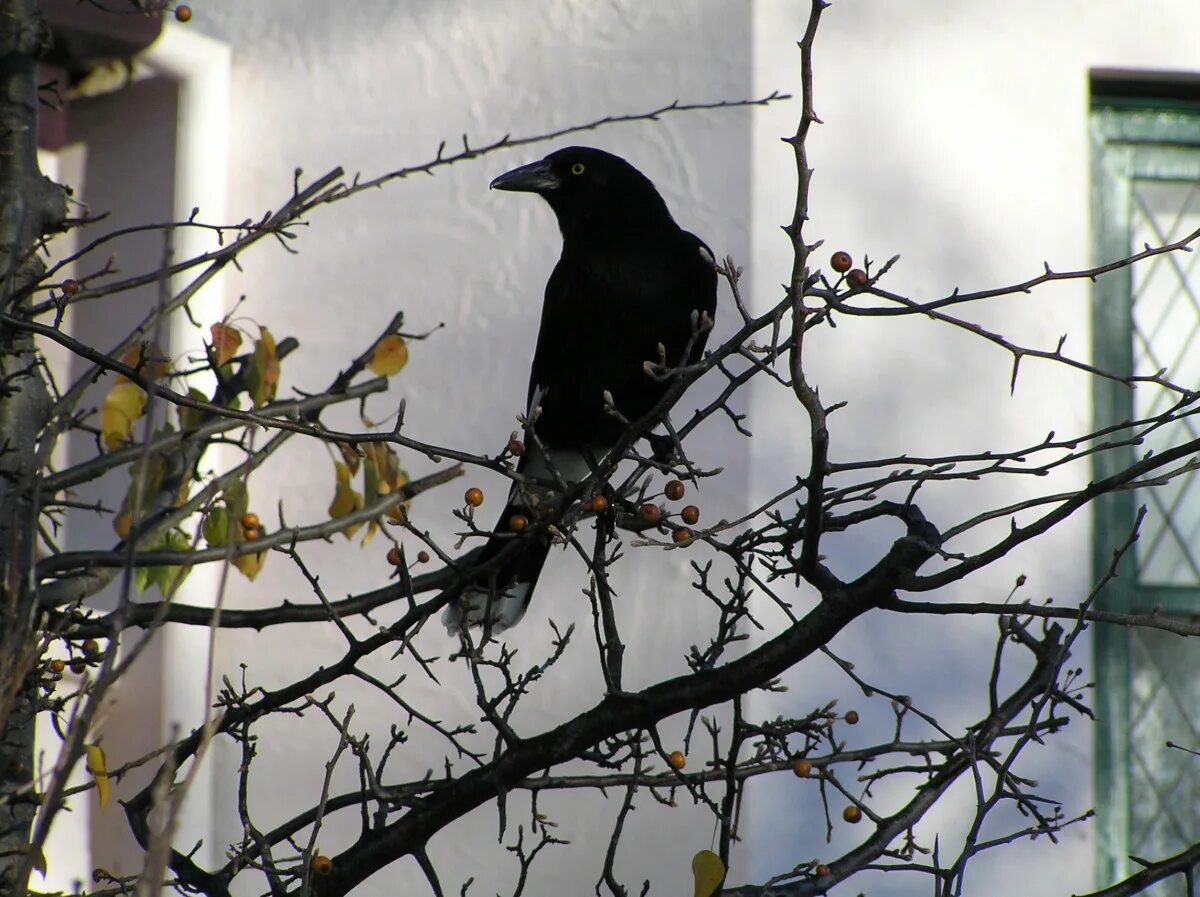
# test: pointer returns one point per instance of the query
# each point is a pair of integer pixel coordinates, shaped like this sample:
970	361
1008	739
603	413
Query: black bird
629	281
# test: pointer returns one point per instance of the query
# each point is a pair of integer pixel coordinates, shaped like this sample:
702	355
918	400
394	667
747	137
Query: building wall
955	135
376	86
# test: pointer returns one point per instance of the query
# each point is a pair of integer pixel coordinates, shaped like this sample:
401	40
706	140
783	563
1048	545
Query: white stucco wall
954	135
375	86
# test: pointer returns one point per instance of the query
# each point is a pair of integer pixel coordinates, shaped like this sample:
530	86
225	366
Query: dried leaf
250	565
390	355
226	340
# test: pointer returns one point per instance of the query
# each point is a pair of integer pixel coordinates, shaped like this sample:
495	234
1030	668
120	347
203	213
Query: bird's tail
497	600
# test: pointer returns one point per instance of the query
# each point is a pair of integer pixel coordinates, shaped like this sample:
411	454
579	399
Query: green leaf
167	578
216	527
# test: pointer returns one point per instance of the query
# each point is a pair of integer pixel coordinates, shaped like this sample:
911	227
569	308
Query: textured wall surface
954	135
375	86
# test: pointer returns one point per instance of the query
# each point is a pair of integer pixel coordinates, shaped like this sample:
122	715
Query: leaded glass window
1146	190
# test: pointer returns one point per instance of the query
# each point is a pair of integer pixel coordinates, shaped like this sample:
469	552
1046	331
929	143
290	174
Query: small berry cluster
843	263
652	514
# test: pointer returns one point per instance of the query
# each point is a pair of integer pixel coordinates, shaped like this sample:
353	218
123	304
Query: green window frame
1145	156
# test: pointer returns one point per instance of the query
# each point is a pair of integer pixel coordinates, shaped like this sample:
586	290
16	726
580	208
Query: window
1146	190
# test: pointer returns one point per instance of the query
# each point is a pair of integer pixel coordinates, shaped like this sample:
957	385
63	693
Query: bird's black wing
606	311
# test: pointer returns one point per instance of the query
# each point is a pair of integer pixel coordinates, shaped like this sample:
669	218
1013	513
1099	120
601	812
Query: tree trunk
30	206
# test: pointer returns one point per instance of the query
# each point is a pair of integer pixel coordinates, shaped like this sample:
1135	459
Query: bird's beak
536	177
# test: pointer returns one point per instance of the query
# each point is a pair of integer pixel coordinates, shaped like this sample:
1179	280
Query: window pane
1166	335
1164	782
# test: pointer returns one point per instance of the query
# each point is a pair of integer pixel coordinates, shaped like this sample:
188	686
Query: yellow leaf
250	565
147	359
708	871
226	340
123	523
390	355
96	766
123	406
345	499
262	379
387	477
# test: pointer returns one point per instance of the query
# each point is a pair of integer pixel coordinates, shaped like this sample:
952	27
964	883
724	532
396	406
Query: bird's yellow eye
577	168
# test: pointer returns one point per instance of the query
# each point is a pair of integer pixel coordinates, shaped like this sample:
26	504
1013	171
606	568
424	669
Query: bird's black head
589	189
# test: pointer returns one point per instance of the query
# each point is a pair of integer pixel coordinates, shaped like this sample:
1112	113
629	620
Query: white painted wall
955	136
372	87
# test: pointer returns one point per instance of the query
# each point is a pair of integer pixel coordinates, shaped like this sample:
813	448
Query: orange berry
683	534
250	520
690	515
394	557
822	869
851	717
422	556
183	13
57	665
678	759
518	522
91	647
841	262
71	286
674	490
516	447
802	768
473	497
857	278
852	814
321	865
78	666
251	533
650	513
599	504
